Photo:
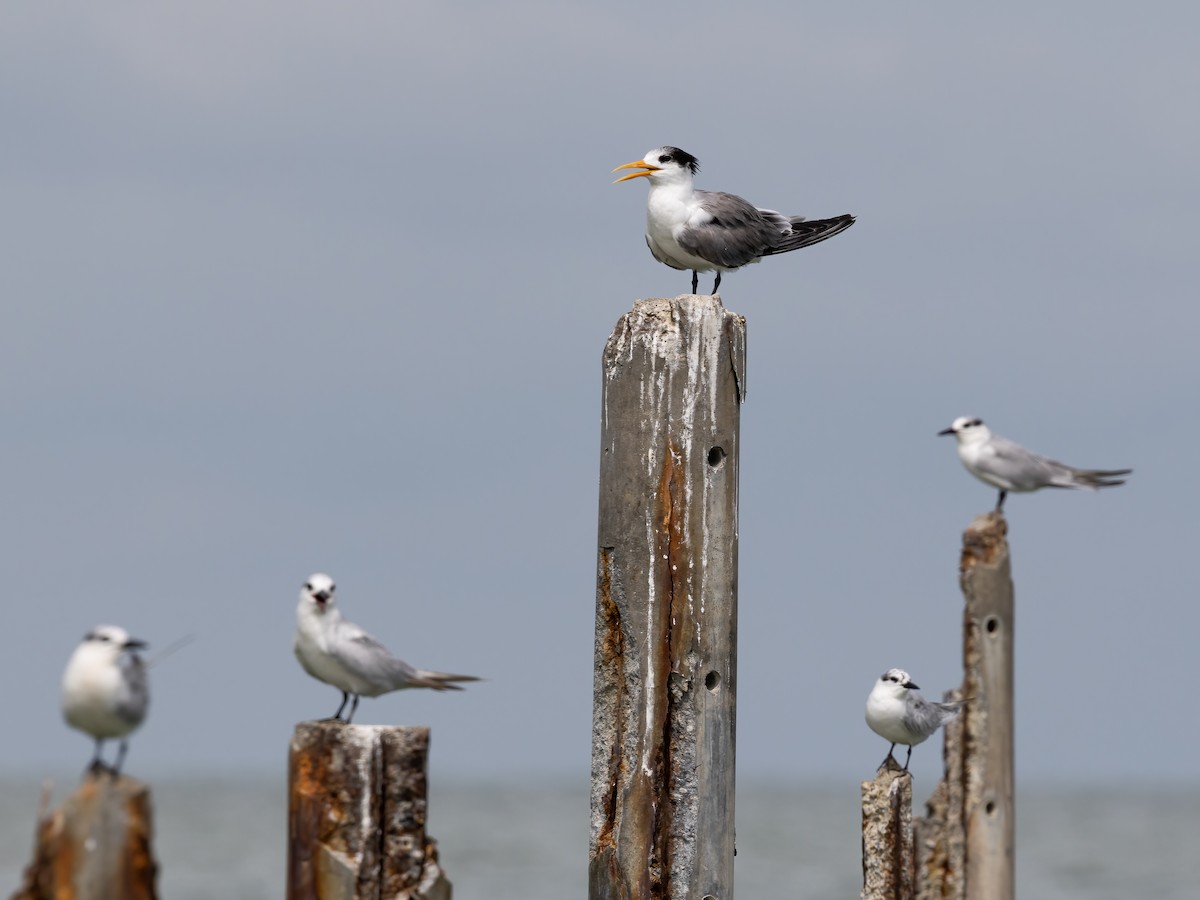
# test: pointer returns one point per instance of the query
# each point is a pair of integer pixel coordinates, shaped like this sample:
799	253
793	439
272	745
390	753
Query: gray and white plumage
897	713
338	652
709	231
1010	467
104	689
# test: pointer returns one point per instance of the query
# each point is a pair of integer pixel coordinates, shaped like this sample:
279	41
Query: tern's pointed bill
636	164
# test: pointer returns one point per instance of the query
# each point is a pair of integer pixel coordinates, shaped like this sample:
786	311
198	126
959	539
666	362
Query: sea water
527	840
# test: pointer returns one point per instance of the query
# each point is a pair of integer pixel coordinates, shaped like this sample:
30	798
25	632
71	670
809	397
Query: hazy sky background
323	287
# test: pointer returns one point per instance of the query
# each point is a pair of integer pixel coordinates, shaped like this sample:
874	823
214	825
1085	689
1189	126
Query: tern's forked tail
949	710
438	681
1098	478
806	232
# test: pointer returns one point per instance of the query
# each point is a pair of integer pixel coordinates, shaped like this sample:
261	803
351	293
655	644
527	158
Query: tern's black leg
695	281
337	716
717	283
1000	502
116	770
353	708
907	758
97	763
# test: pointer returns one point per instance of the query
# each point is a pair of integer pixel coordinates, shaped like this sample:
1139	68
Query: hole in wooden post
716	456
991	623
990	807
712	680
709	897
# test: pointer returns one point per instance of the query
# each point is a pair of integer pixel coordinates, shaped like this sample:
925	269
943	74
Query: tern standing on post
1010	467
709	231
104	689
341	654
897	713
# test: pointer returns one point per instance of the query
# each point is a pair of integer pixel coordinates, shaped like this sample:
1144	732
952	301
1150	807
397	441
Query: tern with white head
1010	467
897	713
340	653
709	231
104	690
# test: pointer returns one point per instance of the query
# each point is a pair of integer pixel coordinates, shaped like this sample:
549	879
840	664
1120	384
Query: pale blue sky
308	286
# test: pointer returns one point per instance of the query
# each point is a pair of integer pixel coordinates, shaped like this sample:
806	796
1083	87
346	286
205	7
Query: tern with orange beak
708	231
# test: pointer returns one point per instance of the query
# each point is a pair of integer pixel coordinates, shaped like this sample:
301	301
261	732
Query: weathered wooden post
986	578
356	815
940	840
966	844
662	807
97	846
887	834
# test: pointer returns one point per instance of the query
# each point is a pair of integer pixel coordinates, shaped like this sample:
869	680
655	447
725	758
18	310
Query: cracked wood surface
666	604
356	814
99	845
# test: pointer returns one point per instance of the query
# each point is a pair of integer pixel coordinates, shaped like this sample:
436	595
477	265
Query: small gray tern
104	690
710	230
1010	467
340	653
897	713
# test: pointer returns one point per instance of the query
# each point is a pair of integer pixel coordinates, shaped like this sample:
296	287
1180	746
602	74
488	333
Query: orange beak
636	164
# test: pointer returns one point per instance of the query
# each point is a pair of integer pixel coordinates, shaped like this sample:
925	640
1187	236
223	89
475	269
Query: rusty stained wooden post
940	837
356	815
966	845
662	805
97	846
986	579
887	834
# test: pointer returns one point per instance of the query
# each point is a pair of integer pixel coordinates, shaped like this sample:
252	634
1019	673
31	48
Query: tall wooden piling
663	716
97	846
356	815
965	846
986	579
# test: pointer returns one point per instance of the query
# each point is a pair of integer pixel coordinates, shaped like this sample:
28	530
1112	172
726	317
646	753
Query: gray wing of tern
131	704
923	717
737	235
367	659
1027	471
740	233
